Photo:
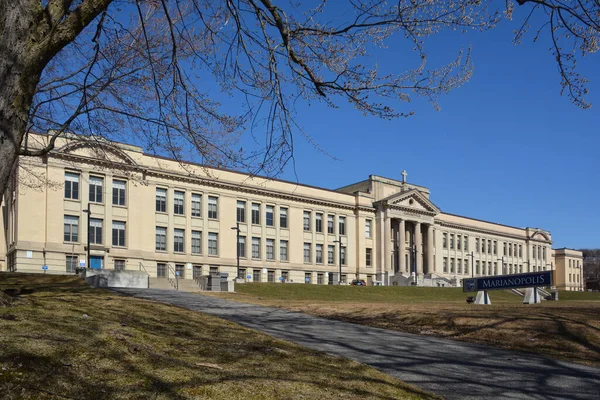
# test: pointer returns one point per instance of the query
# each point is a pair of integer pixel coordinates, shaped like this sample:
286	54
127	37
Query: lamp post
414	262
340	257
502	259
472	265
237	246
89	213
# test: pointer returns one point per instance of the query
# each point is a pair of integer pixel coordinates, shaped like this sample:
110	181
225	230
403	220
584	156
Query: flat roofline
566	248
487	222
399	183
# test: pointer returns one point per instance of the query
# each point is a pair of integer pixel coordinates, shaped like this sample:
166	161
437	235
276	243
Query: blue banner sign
531	279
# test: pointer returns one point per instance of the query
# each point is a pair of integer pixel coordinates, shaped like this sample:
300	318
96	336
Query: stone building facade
159	215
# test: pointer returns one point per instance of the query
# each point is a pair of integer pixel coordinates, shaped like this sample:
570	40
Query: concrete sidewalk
454	370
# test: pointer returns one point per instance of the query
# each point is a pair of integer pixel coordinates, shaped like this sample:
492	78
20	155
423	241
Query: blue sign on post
532	279
45	267
249	276
177	273
281	278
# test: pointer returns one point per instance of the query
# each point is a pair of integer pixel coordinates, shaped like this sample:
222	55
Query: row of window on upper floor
490	246
96	189
574	264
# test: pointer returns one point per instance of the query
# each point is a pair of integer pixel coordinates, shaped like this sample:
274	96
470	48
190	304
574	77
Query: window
270	247
477	267
319	222
466	243
369	256
270	276
495	268
180	271
283	250
118	233
242	246
452	265
71	228
330	255
161	270
269	215
520	251
178	201
445	240
161	200
510	252
495	247
504	249
119	265
256	247
342	225
459	266
307	252
477	244
320	279
451	241
285	275
241	211
483	245
95	232
212	207
241	273
96	184
534	252
161	238
256	275
71	186
196	205
544	255
344	278
319	253
306	221
197	242
213	248
458	244
489	246
445	264
307	277
72	263
178	240
119	192
343	255
466	264
330	225
256	213
283	217
368	228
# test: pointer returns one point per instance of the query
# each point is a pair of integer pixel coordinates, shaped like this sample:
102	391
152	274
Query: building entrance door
96	262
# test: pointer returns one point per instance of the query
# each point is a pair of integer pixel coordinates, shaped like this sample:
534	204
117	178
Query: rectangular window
477	245
270	276
241	211
520	251
477	267
71	228
270	210
212	207
342	225
330	255
452	265
451	241
270	248
307	277
255	213
180	270
307	255
161	200
445	264
178	202
510	247
119	192
319	222
256	275
319	253
118	233
161	238
242	247
320	279
178	240
369	255
161	270
196	205
71	186
72	263
458	244
466	264
495	247
285	275
504	249
95	232
256	248
445	240
483	245
330	224
544	255
466	243
119	265
213	244
196	242
241	273
459	266
343	255
96	185
489	246
283	220
306	221
534	252
368	228
283	250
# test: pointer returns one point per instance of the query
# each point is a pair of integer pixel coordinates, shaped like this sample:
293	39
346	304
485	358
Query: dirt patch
5	300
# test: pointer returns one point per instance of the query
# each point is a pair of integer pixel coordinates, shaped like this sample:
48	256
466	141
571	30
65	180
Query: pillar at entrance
387	257
430	249
402	245
418	245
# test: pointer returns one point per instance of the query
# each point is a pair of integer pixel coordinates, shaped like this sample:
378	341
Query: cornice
411	210
488	232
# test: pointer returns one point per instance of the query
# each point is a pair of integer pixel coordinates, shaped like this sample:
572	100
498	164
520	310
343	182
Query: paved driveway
452	369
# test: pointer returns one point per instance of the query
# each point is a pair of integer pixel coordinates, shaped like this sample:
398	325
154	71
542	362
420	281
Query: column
387	256
402	245
418	244
429	249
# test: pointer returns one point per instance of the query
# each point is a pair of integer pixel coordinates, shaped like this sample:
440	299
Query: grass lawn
568	329
61	339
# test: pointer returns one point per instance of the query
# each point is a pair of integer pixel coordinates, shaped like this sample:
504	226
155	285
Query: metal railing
172	276
141	267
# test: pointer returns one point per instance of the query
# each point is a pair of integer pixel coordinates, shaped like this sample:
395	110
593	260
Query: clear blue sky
506	147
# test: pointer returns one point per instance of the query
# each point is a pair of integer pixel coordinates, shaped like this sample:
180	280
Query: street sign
82	263
531	279
307	280
281	278
45	267
249	276
177	273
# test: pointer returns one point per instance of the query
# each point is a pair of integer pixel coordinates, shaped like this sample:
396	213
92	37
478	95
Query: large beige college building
159	215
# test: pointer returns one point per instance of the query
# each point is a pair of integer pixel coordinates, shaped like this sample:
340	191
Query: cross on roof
404	174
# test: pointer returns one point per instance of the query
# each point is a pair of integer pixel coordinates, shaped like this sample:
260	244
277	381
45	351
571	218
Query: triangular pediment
411	200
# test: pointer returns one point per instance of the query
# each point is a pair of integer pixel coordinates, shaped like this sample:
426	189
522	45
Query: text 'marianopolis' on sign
531	279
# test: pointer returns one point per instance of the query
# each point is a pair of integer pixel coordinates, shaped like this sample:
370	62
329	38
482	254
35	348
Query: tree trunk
18	80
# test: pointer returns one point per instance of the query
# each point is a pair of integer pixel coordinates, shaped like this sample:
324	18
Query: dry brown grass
60	339
567	330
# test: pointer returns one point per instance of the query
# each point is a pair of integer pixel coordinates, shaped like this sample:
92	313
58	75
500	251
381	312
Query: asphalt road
454	370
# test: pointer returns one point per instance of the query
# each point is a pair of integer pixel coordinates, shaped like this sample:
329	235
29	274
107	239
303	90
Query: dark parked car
358	282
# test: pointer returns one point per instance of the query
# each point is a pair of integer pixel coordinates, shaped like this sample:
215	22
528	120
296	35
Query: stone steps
185	285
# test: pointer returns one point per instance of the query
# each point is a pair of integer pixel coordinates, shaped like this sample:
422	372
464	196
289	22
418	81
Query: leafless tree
144	70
